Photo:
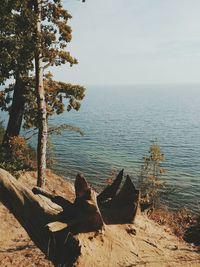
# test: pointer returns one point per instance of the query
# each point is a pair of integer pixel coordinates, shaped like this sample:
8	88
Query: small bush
23	155
18	156
149	178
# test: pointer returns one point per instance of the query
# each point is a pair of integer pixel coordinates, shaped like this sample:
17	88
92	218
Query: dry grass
178	221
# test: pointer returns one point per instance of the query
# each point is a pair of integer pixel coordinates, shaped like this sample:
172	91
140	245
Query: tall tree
54	35
18	41
16	57
42	112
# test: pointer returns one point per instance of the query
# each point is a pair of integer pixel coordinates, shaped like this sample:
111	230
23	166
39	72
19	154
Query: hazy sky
134	42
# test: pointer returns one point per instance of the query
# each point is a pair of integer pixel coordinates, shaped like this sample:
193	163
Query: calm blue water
119	124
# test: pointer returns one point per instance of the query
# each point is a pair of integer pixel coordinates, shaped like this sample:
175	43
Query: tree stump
53	222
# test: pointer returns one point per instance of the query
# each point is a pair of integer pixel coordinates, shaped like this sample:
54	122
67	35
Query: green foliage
55	93
18	42
151	171
18	39
58	130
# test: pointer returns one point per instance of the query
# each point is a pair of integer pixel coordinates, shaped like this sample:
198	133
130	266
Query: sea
120	123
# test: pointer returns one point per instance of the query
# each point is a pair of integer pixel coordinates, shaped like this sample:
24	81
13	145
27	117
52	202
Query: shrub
22	155
149	181
18	156
182	222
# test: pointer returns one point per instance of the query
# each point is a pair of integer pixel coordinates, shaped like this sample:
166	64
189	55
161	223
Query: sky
124	42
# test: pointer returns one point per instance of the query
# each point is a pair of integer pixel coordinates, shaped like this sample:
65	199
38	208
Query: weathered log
90	218
52	222
111	190
34	212
122	208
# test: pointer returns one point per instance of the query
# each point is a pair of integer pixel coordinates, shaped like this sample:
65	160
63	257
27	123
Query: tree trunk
16	112
42	113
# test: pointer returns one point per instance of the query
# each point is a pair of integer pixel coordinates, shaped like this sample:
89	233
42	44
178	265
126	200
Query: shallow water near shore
120	122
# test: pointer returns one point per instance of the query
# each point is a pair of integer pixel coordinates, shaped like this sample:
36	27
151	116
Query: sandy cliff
143	243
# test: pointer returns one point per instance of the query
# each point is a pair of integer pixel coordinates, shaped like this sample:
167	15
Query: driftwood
34	212
52	222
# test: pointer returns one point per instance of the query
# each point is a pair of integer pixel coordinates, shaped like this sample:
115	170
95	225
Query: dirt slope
143	243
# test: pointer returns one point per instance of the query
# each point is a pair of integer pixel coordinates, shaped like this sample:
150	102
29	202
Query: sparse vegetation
182	222
149	179
177	221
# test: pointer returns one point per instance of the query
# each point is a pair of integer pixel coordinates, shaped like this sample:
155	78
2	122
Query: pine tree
18	47
16	56
22	42
42	110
